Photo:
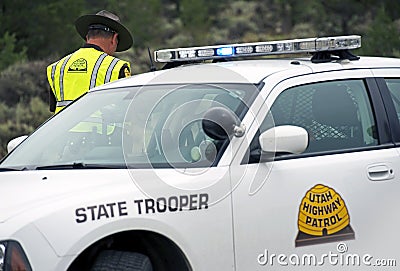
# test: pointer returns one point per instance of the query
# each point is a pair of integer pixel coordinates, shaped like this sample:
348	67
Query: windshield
157	126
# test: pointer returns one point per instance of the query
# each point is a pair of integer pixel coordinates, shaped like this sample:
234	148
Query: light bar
295	46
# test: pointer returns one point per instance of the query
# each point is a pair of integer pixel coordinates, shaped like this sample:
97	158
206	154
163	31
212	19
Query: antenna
152	67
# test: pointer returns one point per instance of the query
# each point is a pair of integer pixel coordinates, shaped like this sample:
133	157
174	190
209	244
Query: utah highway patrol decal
323	218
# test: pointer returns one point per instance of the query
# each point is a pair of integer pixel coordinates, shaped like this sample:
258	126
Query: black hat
107	19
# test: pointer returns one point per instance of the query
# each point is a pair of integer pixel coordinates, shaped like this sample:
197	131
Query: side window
337	115
394	89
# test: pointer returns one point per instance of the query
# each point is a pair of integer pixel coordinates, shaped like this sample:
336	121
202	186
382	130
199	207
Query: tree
195	19
382	39
142	18
8	55
43	27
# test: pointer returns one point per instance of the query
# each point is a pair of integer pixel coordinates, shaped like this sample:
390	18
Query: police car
229	158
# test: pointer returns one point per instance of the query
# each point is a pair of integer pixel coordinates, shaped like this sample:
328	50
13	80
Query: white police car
256	164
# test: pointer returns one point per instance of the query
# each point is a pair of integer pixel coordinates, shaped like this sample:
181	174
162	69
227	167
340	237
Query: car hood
24	191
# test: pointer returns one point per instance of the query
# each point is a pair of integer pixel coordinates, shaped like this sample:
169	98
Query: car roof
246	71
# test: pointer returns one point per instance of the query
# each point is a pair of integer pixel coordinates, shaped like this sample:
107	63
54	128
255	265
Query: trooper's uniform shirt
75	74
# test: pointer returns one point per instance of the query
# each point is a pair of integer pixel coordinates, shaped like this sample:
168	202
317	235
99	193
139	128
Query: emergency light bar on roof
295	46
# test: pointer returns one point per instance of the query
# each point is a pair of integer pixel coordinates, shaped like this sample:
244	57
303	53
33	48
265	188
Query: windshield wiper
81	165
2	169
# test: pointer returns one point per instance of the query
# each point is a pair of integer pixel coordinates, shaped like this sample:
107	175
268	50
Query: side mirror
12	144
285	138
221	123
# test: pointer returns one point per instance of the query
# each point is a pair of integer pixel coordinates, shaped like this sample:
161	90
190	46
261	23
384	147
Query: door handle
380	172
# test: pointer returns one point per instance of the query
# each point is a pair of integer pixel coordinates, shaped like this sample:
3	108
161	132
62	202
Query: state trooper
94	63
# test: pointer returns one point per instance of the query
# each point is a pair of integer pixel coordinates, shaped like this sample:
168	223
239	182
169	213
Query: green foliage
382	39
44	27
142	18
8	55
20	82
23	100
21	119
196	26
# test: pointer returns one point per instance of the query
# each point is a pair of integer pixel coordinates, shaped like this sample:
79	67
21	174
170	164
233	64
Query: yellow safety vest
75	74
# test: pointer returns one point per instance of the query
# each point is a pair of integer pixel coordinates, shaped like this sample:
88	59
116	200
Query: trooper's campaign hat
107	21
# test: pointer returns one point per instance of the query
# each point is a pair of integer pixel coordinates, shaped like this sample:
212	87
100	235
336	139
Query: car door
332	205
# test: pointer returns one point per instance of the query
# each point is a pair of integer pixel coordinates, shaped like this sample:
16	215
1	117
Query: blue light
225	51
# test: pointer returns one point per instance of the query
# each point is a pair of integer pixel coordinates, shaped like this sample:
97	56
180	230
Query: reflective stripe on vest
96	70
53	71
62	77
63	103
110	69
